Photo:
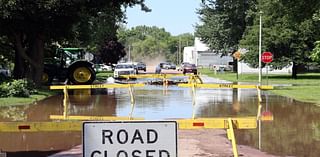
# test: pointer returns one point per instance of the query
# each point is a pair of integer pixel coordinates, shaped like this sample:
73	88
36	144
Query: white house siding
189	54
207	58
245	68
200	55
199	45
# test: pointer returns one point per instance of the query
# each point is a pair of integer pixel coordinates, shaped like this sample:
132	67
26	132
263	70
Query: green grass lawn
306	88
102	76
43	93
22	101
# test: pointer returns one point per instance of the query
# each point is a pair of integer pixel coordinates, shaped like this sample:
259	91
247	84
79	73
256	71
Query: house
201	55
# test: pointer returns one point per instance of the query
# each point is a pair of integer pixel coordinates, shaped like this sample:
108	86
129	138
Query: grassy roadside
102	76
41	94
306	88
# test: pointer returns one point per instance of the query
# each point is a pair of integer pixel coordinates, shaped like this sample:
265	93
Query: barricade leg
132	102
65	102
231	137
193	101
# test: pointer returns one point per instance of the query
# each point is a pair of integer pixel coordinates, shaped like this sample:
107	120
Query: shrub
3	90
16	88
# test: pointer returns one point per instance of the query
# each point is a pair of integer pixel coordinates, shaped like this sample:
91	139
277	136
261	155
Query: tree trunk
294	70
37	56
20	66
19	70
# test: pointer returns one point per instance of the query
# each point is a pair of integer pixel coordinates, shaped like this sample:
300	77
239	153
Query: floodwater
295	130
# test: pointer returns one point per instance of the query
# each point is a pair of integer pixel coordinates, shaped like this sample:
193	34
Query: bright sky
175	16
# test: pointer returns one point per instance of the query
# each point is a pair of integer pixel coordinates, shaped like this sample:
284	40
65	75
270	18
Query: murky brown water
294	131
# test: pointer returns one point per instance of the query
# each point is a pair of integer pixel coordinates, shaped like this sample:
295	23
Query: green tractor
69	64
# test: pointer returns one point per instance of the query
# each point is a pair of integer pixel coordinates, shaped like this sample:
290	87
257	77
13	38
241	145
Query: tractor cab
69	64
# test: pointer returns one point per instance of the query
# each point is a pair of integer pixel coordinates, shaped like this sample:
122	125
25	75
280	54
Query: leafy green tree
222	23
112	52
27	24
30	25
316	52
147	42
289	32
176	45
6	51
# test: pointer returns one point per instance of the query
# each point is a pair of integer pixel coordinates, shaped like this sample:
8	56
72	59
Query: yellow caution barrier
198	123
95	86
92	118
263	87
40	126
217	123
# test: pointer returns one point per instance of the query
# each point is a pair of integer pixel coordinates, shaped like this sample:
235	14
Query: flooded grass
305	93
302	89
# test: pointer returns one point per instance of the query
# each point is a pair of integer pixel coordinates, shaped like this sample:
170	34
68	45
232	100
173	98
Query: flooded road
295	130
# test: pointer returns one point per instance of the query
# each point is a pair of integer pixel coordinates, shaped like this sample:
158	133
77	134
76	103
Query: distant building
201	55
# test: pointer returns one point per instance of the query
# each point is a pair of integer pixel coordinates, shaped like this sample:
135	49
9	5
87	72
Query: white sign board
130	139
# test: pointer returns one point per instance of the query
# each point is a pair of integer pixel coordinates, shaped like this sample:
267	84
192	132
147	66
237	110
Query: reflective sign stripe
198	124
23	127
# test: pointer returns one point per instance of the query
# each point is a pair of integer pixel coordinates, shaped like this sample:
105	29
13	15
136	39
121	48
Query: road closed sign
130	139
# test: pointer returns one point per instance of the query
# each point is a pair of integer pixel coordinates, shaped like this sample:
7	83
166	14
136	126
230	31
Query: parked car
180	68
158	69
141	66
4	72
172	66
124	69
167	65
189	68
102	67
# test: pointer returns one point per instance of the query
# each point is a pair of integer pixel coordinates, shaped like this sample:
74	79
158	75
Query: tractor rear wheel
82	74
46	78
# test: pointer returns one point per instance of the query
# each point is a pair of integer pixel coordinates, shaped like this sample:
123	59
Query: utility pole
260	43
129	56
179	61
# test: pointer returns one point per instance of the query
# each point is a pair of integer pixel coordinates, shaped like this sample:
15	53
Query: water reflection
14	113
294	131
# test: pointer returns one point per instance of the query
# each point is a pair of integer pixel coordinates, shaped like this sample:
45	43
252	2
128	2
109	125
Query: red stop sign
267	57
